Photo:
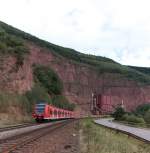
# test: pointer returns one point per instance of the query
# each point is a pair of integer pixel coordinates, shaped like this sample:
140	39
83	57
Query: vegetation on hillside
14	108
62	102
145	70
48	87
39	94
36	94
12	45
49	79
102	64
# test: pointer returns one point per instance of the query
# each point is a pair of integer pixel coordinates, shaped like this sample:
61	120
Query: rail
12	127
15	143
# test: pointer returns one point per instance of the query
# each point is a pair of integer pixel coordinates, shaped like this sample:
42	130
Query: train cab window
40	108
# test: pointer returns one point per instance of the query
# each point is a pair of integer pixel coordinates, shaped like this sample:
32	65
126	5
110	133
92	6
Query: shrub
8	100
147	117
62	102
142	109
12	45
125	117
52	85
48	79
118	113
133	119
37	93
3	47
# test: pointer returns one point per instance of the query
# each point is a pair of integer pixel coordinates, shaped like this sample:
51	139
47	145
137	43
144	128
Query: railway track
16	126
12	144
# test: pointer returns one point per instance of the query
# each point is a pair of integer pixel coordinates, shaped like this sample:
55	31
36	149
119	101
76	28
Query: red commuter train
43	111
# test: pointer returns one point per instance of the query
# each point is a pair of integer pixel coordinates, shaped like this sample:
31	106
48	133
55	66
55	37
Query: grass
14	108
97	139
12	100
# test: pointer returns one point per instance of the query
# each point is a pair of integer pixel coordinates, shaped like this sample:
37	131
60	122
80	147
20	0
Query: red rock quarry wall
130	97
13	78
80	80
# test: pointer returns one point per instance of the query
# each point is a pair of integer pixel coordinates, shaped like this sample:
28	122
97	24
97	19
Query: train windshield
40	108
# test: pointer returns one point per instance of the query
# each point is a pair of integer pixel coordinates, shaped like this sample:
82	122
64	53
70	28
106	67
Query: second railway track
12	144
16	126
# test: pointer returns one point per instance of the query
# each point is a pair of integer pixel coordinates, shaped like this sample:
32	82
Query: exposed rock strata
79	80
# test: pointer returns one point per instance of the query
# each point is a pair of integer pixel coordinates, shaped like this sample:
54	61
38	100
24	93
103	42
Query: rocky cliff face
13	78
129	96
79	80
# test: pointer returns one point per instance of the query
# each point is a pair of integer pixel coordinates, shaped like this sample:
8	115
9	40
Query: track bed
61	137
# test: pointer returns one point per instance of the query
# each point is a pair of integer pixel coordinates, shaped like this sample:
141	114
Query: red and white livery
43	111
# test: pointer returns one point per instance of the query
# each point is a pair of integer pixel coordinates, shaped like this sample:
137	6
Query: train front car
39	112
45	112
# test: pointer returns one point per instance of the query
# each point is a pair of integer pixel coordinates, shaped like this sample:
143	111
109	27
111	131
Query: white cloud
118	29
138	57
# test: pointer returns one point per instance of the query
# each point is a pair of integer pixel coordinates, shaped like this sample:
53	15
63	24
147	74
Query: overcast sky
118	29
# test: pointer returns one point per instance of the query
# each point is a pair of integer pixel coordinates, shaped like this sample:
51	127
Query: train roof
40	104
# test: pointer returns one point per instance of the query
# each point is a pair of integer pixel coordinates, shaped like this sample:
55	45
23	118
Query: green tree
142	109
48	79
147	117
118	113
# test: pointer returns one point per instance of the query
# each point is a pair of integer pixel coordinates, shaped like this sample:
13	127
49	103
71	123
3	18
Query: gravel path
63	140
139	132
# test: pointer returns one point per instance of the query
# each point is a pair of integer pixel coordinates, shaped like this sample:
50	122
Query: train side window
55	112
50	111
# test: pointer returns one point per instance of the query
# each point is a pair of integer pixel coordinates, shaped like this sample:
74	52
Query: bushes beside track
133	119
141	115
